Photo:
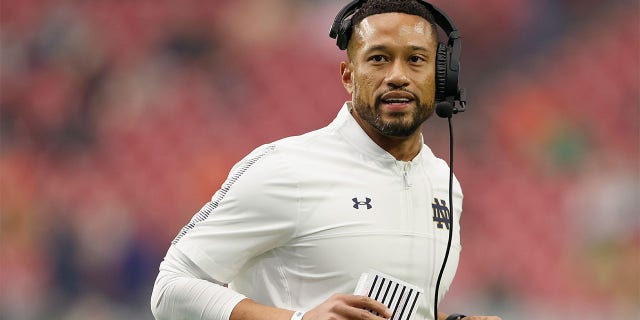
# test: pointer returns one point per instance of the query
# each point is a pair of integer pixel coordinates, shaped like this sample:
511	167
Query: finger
351	312
363	302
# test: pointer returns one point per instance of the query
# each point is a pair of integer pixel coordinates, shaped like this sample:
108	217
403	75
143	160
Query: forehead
394	28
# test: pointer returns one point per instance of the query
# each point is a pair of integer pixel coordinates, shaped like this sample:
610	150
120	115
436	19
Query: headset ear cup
343	34
441	72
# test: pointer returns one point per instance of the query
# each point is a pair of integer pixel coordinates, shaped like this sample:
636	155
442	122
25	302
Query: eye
377	58
416	59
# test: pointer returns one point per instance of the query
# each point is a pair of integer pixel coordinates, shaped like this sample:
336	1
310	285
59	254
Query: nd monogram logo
357	203
441	213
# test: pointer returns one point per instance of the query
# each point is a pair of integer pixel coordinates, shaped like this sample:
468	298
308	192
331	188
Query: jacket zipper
405	175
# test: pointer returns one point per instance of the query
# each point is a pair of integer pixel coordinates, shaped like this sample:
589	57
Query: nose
397	76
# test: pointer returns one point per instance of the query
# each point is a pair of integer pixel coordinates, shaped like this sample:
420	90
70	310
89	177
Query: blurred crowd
119	119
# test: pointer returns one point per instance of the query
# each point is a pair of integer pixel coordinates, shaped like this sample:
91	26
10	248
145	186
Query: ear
346	70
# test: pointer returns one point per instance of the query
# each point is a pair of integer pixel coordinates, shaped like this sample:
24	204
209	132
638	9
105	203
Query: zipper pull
405	175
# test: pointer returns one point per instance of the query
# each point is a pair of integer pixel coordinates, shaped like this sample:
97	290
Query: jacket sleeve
254	211
183	291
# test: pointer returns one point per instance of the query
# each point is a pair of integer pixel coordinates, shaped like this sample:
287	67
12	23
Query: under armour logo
357	203
440	213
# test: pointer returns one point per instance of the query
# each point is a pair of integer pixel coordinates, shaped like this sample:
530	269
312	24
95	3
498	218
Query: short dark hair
412	7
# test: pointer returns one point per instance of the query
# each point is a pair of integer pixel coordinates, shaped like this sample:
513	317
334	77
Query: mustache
413	94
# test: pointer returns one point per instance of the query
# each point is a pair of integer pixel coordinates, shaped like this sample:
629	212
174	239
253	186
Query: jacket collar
351	131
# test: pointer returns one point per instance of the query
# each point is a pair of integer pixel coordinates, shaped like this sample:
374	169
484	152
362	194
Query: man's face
390	74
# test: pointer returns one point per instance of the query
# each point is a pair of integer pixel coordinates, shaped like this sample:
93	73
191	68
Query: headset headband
441	19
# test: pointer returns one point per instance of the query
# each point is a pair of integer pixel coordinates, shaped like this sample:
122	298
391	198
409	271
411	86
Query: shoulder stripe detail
208	209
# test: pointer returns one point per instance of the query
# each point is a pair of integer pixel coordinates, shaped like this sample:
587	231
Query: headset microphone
444	109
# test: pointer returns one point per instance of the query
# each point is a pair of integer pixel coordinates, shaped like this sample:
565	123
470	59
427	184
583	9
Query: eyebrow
381	47
419	48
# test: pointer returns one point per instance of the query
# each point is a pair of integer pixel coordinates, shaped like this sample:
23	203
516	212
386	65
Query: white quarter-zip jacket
302	218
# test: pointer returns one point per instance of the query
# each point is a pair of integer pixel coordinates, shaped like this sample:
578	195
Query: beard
400	124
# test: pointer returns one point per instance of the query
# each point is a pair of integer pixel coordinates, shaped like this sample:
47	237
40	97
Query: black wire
446	254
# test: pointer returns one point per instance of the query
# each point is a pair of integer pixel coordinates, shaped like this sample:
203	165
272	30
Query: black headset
447	56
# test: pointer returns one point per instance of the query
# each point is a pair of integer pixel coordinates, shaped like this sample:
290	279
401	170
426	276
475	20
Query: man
299	220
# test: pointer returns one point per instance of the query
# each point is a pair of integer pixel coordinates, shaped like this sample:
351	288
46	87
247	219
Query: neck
401	148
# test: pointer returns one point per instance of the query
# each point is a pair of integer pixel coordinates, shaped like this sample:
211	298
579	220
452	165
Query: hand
347	307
